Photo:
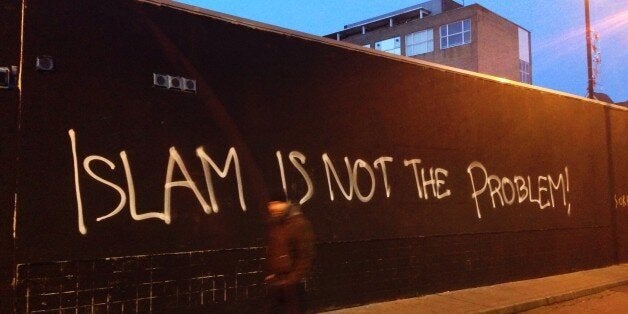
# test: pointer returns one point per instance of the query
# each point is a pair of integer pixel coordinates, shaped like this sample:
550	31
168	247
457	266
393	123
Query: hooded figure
290	252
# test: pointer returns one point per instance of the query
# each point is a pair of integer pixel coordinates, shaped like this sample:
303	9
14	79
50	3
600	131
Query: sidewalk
511	297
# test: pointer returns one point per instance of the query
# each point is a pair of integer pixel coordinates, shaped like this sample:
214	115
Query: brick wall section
450	5
499	41
216	280
345	273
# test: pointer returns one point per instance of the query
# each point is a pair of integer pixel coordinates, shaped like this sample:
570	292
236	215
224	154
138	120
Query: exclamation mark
567	179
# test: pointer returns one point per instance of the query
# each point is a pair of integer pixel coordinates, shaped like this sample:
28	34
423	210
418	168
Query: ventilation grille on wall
174	82
8	77
45	63
5	78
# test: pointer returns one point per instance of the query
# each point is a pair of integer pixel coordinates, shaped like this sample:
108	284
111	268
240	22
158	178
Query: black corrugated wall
417	179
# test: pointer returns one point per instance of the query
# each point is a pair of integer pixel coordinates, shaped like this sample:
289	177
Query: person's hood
293	210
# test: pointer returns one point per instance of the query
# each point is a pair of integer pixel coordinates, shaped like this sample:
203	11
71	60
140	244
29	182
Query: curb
563	297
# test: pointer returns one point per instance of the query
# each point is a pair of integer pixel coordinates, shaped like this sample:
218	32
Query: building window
455	34
392	45
524	56
420	42
524	72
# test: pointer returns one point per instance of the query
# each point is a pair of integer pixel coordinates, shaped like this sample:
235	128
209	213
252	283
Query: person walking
290	251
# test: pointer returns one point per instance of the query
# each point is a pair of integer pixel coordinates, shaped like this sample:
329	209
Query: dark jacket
290	248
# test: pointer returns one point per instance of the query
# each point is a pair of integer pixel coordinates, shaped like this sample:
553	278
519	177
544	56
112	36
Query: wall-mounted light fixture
174	82
45	63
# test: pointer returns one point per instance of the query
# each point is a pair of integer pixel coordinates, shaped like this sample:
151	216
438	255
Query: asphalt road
610	301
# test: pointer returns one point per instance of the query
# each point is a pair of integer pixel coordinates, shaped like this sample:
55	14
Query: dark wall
619	151
95	125
9	56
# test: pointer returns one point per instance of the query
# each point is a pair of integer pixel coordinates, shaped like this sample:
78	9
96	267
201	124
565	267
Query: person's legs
285	299
275	299
291	299
302	297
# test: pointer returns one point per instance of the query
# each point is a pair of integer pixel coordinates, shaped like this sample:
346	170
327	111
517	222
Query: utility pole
589	59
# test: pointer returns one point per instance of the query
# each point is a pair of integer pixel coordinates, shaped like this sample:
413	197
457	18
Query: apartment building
446	32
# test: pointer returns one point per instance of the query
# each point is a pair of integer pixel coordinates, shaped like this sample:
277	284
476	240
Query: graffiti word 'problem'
507	191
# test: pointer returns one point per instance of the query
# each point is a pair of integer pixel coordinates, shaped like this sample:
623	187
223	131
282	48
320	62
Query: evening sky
556	26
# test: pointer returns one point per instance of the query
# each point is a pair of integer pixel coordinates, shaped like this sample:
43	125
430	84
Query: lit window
524	72
367	46
420	42
524	56
392	45
455	34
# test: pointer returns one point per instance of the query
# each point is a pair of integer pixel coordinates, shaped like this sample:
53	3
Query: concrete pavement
511	297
